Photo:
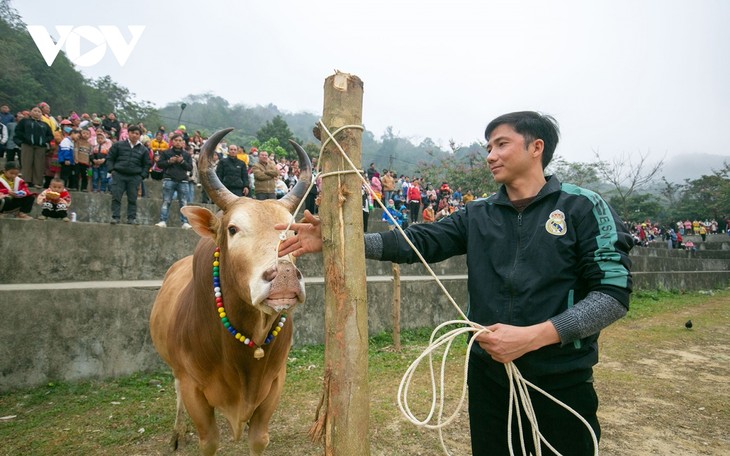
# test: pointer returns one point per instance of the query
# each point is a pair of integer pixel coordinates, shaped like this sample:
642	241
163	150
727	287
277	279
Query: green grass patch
646	303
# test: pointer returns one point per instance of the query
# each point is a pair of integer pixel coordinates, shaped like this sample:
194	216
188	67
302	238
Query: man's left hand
506	343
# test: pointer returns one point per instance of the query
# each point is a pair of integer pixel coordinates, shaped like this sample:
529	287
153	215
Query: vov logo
71	37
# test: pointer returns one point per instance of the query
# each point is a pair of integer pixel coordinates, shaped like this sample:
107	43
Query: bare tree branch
628	173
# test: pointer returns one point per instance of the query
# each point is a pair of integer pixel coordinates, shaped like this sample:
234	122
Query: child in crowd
15	197
404	217
66	156
390	208
98	162
158	146
429	216
82	157
123	131
55	201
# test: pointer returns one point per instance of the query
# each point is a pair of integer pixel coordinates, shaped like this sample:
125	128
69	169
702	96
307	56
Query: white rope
518	395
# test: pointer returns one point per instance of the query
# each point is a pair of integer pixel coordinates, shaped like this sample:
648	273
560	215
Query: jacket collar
551	186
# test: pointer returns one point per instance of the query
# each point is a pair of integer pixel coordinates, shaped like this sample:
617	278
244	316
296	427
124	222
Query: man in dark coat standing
129	162
233	172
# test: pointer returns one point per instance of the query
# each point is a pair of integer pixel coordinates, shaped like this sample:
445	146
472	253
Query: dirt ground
665	389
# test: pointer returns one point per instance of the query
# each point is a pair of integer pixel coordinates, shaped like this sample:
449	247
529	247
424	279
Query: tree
271	146
278	128
387	152
626	175
707	197
468	172
114	98
581	174
638	207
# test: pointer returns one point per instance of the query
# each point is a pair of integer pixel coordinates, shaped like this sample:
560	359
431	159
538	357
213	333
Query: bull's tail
179	429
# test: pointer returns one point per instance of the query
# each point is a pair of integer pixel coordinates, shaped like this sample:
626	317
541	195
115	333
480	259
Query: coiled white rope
518	394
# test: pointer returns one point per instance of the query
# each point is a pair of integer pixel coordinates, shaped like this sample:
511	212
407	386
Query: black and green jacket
525	268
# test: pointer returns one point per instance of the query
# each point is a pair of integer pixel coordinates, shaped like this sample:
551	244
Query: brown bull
229	352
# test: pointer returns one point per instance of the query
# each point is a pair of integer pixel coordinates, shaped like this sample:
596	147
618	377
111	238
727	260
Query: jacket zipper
514	265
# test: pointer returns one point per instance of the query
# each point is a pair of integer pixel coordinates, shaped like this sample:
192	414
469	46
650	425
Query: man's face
232	150
178	143
85	134
134	135
112	116
4	109
507	157
264	157
36	113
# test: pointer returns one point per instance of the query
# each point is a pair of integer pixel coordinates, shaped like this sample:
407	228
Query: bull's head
244	231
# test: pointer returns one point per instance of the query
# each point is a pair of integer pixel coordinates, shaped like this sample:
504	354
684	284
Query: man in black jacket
34	138
129	162
112	126
176	163
548	268
233	172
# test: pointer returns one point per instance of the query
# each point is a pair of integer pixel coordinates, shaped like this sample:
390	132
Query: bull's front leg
203	416
258	425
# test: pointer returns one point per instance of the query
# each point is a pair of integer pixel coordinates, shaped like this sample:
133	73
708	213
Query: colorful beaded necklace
259	352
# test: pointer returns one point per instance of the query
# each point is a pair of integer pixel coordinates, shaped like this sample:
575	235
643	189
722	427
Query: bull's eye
232	230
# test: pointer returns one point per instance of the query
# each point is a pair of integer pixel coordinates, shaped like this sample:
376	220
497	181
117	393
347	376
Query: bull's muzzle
286	286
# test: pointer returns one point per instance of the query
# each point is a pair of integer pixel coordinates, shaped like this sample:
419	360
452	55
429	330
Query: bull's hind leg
203	416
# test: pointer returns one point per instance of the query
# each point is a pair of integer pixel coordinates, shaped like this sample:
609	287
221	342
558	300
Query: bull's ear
203	221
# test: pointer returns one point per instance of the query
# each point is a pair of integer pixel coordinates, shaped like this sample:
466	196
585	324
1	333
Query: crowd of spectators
647	232
75	149
79	152
71	153
412	200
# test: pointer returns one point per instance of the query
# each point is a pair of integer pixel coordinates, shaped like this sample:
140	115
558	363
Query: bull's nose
270	274
284	268
288	268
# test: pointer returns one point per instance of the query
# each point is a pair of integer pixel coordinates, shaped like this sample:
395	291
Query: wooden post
346	394
395	267
396	306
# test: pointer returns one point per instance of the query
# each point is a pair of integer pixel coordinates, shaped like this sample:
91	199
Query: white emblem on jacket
556	223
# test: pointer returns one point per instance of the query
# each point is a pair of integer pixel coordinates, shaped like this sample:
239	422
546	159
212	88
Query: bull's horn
217	192
295	195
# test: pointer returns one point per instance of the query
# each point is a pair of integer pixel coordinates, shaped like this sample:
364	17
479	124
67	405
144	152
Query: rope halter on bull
518	395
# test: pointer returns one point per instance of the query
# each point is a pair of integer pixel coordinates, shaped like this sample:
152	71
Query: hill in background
692	166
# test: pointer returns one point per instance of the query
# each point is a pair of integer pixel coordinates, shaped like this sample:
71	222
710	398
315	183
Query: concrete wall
80	331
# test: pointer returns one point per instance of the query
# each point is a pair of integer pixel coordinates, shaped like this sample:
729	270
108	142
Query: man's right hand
307	237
